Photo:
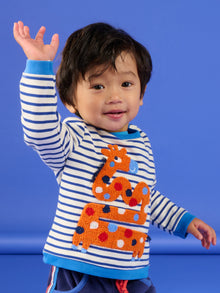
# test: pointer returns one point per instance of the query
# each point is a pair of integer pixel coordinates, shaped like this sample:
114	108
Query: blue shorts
62	280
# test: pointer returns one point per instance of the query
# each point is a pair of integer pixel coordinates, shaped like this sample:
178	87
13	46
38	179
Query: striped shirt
73	149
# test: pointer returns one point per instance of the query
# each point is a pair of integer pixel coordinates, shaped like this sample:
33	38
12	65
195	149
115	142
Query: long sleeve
167	216
42	127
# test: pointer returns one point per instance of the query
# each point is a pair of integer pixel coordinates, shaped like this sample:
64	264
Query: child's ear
71	108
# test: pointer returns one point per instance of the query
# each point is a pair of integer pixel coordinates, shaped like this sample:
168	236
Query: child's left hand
203	232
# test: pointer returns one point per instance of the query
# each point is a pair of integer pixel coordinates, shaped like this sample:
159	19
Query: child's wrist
181	229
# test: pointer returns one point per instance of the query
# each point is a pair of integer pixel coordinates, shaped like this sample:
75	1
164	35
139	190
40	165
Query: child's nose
113	97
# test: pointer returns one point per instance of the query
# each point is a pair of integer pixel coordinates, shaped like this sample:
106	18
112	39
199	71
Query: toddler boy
103	164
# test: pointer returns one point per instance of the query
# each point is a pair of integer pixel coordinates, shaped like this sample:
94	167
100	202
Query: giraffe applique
94	228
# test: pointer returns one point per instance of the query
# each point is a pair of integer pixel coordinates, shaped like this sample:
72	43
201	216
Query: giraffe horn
111	147
105	152
123	151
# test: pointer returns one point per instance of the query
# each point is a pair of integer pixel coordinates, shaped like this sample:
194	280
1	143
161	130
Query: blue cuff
39	67
183	225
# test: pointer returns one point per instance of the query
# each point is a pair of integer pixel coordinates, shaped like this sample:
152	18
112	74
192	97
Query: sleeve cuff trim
39	67
183	225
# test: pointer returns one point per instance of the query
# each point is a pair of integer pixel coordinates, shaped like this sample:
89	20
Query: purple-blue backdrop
181	111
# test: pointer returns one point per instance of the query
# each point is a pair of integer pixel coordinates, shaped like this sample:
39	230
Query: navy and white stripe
72	149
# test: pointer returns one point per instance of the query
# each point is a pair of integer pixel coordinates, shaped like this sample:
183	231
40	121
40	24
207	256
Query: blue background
181	111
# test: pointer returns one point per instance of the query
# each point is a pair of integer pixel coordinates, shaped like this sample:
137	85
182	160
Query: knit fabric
107	197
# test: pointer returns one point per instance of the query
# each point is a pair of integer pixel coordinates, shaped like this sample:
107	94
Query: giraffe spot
118	186
133	167
129	192
145	191
121	211
136	217
133	202
128	233
79	230
141	240
90	211
94	225
134	242
105	179
99	189
112	227
146	209
103	237
107	196
112	164
106	209
148	238
120	243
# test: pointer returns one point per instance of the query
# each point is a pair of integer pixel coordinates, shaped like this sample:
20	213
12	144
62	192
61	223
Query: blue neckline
131	133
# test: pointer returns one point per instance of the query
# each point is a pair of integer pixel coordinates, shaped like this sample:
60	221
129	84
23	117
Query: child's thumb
195	232
55	41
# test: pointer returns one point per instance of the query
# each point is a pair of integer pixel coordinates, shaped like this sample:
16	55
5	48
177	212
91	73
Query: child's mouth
115	114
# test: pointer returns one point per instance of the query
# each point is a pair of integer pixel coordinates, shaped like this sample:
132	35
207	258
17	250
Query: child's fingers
17	32
195	232
21	29
40	33
26	32
210	236
206	241
213	238
202	232
206	233
55	41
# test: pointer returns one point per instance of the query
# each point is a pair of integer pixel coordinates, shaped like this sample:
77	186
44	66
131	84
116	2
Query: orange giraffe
92	230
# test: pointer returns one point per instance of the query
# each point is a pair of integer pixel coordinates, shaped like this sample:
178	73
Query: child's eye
98	87
126	84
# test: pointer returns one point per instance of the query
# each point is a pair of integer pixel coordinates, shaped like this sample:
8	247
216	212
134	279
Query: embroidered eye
117	159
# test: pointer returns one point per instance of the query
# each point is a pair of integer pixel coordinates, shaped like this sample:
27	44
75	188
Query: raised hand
35	49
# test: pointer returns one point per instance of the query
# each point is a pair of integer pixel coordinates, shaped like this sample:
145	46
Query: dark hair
93	45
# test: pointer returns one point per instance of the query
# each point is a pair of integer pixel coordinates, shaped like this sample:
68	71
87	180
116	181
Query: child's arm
35	49
169	217
42	126
202	232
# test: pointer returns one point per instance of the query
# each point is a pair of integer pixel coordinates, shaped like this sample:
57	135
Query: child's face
112	99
